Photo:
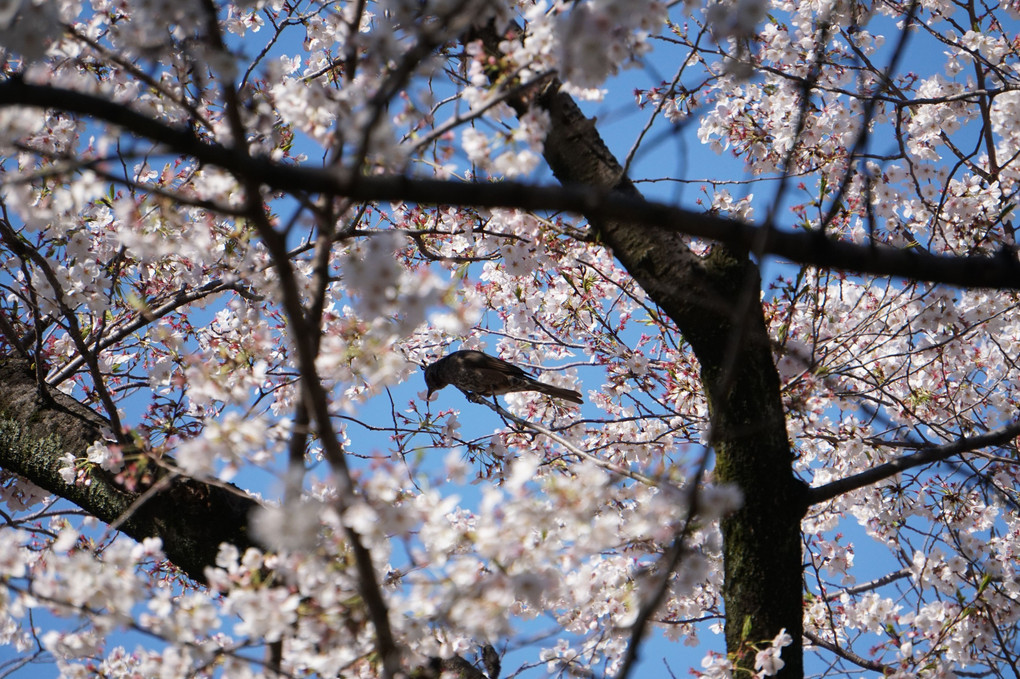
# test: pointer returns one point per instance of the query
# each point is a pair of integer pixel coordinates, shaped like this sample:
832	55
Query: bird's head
433	379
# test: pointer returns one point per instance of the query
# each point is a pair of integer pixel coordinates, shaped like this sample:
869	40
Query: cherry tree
233	233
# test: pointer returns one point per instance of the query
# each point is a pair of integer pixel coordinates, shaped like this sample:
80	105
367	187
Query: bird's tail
558	392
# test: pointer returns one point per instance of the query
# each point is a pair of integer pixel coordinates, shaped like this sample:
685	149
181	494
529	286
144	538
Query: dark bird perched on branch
478	374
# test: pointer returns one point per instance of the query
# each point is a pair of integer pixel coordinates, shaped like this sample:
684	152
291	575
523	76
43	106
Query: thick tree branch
926	455
191	517
1001	270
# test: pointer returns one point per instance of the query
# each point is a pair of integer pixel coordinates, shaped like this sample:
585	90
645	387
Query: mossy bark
191	517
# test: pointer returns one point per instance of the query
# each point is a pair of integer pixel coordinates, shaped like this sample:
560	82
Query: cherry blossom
234	232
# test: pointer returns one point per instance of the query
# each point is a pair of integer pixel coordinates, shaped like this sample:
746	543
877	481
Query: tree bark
191	517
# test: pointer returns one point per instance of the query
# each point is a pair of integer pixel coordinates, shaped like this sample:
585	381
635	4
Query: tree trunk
715	301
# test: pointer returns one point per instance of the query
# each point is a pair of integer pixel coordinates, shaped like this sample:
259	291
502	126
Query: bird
478	374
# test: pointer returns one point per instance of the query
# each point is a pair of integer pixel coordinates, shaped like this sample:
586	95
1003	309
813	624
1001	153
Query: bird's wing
477	359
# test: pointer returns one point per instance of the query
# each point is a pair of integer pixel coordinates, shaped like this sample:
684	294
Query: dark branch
871	585
995	271
847	654
924	456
